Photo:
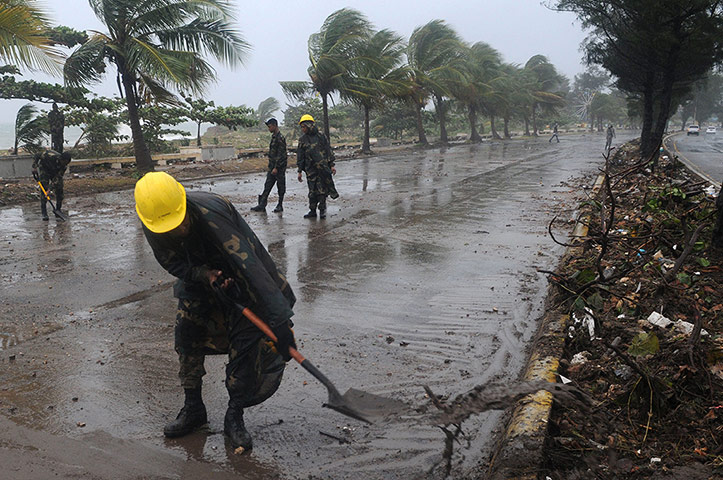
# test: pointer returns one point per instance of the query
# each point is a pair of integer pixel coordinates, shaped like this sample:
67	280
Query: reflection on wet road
424	273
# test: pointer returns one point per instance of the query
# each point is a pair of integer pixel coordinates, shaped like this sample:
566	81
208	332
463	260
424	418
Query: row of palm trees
156	46
370	68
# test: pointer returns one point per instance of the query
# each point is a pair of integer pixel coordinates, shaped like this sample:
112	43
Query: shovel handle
261	325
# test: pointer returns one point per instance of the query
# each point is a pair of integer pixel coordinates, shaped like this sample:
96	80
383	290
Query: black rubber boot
58	207
192	416
235	429
322	208
280	205
44	210
311	214
262	204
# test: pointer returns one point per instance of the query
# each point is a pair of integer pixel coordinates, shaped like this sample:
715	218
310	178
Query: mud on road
423	273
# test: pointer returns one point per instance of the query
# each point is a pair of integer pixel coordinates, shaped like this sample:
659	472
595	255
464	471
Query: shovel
354	403
57	213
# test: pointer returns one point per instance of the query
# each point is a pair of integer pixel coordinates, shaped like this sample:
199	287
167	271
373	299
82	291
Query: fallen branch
684	256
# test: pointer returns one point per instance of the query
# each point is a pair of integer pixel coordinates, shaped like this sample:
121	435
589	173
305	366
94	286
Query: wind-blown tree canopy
266	109
29	128
331	51
66	36
156	46
202	111
24	37
482	66
377	75
652	48
436	62
548	86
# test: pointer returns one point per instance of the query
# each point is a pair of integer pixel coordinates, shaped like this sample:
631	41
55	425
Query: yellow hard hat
160	202
306	118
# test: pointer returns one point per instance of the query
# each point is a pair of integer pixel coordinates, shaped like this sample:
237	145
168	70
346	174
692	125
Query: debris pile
644	291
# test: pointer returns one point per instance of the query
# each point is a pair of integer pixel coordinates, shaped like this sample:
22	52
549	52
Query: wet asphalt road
702	153
424	273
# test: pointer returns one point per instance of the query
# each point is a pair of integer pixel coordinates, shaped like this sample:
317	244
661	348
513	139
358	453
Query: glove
285	339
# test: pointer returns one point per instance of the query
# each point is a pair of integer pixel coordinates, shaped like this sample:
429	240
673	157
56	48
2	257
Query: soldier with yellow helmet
201	239
314	156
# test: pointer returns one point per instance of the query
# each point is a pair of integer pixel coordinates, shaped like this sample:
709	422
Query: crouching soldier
200	238
49	168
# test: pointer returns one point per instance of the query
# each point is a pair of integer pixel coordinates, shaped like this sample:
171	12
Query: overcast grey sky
278	32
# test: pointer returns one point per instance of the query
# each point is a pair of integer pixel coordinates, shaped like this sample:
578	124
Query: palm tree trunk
474	136
534	119
366	148
495	135
198	134
506	119
527	126
144	162
325	106
420	125
441	116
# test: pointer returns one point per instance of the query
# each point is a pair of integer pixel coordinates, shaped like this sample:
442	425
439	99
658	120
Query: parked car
693	129
710	129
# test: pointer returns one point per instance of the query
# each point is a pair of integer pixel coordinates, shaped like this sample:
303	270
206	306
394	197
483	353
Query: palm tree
24	39
436	62
266	109
546	91
29	127
482	64
331	50
377	75
156	45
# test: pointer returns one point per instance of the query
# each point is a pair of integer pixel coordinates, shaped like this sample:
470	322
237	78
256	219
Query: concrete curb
520	452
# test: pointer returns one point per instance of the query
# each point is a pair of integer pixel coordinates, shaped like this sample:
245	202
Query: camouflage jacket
50	164
221	239
314	152
277	152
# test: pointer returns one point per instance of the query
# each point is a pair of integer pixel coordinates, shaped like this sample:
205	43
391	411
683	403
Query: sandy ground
424	273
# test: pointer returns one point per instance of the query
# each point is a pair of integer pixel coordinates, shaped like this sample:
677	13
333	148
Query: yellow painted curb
519	455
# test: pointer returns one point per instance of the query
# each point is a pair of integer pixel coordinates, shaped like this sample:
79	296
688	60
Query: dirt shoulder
644	292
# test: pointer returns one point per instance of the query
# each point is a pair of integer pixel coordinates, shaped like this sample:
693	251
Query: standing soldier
276	169
314	156
609	137
49	167
200	238
56	122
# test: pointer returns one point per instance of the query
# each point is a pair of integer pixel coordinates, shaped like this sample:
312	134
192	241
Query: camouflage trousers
279	179
254	369
54	184
321	185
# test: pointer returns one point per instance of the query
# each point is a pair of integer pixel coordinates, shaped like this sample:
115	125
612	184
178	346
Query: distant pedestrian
554	134
609	137
49	167
276	169
314	156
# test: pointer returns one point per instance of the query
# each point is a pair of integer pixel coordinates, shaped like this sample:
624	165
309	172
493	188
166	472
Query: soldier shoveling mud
200	238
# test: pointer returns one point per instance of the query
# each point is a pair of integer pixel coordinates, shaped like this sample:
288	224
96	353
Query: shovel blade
365	406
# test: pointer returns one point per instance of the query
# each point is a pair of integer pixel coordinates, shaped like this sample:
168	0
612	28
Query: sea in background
7	134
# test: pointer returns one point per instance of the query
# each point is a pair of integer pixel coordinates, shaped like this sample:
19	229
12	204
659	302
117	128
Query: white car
710	129
693	129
